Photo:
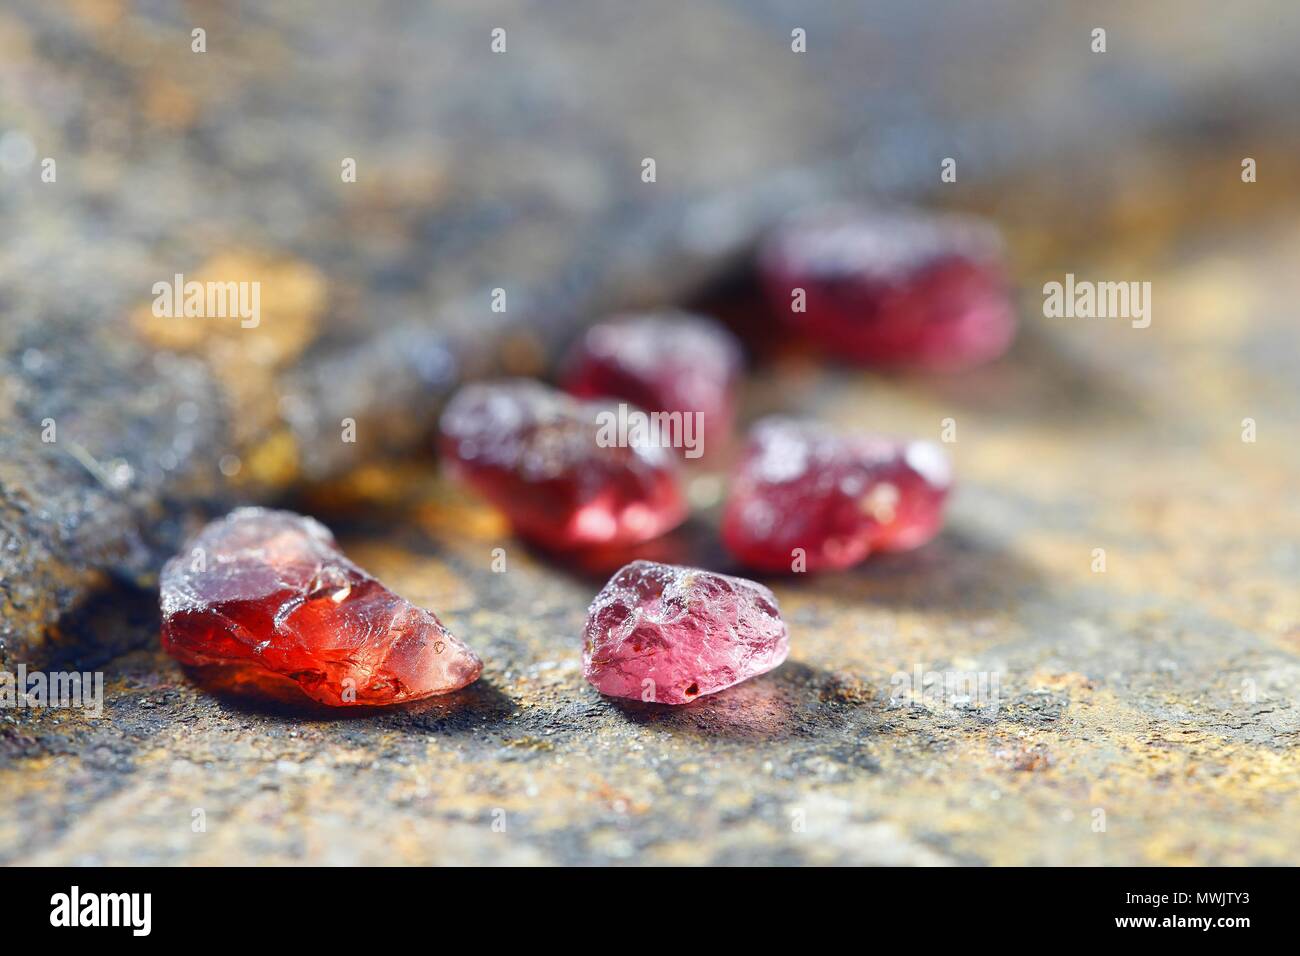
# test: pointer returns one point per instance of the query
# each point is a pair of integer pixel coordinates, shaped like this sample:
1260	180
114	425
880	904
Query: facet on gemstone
671	634
892	289
805	497
549	463
674	363
265	599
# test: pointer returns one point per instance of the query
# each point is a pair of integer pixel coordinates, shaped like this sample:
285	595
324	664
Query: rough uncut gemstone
837	497
540	456
670	634
672	362
261	599
893	289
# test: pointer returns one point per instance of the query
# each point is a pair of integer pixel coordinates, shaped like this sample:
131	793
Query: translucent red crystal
539	455
671	634
805	497
670	362
893	288
264	599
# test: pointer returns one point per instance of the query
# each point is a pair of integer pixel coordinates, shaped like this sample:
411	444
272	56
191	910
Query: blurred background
1160	692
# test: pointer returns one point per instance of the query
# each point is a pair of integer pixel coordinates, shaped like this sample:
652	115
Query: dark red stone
264	600
534	452
661	362
835	497
893	289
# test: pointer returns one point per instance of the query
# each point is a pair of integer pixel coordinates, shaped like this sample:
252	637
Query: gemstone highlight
264	600
669	634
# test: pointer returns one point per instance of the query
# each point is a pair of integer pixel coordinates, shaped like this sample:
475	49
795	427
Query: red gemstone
670	634
805	497
893	289
675	363
548	461
265	600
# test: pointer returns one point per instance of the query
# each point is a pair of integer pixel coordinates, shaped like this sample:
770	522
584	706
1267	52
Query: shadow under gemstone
783	703
262	693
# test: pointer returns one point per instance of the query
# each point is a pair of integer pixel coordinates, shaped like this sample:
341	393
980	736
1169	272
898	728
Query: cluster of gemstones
267	599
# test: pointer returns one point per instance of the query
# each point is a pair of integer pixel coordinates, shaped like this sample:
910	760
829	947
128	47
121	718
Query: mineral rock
805	497
892	289
265	599
670	634
674	363
547	461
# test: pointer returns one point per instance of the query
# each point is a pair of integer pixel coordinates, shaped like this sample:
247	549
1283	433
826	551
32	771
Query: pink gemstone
547	461
264	600
670	634
672	363
893	289
805	497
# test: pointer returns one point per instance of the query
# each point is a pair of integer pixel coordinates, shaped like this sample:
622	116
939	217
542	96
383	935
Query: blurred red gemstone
554	467
805	497
674	362
892	289
668	634
265	601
